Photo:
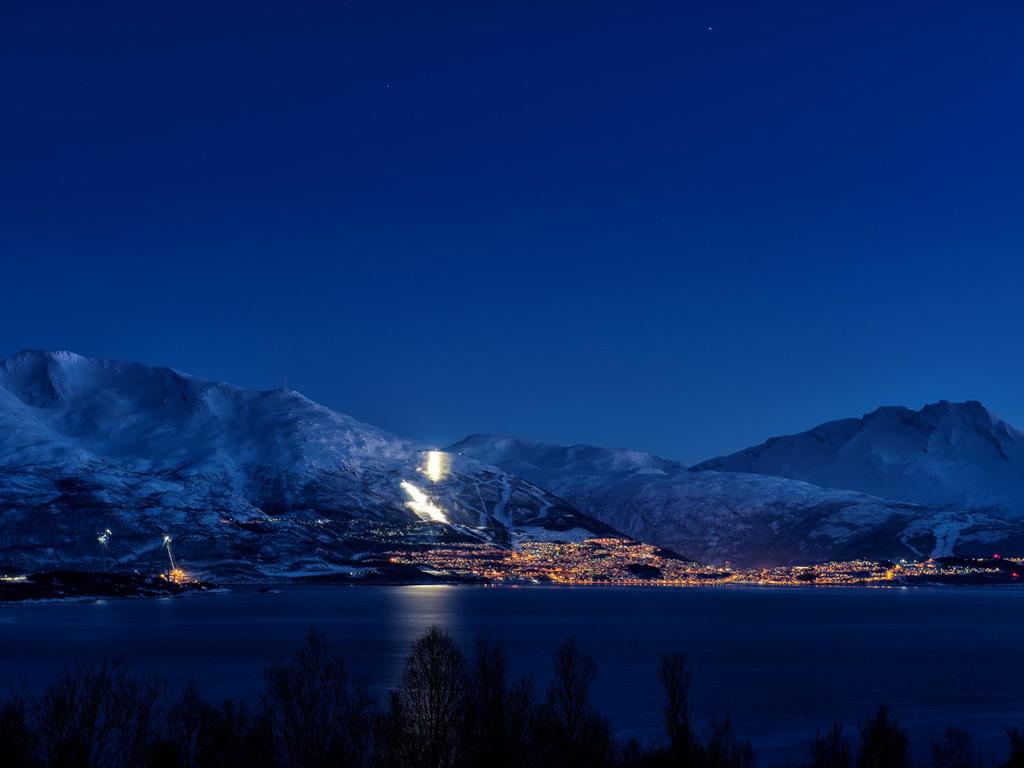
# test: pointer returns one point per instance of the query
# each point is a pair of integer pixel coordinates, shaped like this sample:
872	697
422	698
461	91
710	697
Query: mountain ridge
944	454
248	482
257	483
749	519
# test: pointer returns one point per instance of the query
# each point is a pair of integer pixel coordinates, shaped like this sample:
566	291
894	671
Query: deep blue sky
670	226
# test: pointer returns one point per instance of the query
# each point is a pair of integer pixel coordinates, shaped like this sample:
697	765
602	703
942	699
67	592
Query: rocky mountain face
99	460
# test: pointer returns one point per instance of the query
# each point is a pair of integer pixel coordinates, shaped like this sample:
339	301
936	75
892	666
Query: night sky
669	226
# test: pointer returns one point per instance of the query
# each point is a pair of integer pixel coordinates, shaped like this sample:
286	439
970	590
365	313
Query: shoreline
146	590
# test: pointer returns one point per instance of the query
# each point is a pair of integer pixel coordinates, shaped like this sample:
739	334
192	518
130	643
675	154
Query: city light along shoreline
599	562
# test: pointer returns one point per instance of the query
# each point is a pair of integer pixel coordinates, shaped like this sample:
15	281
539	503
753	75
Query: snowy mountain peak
946	454
36	376
944	415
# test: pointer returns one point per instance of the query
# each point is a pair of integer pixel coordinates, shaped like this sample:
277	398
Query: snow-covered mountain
750	519
100	459
946	454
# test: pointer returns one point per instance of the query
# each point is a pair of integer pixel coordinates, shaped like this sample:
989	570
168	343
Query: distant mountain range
747	518
946	454
99	460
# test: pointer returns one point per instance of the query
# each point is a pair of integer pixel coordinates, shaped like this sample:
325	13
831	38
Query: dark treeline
449	710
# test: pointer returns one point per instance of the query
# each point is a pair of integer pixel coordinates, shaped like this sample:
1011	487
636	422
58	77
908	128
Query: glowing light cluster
175	574
178	576
438	466
422	505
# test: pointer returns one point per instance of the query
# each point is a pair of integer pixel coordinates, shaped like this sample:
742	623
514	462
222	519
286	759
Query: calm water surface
782	662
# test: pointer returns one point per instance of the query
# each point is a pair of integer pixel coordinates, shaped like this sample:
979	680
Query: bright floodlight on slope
421	504
438	465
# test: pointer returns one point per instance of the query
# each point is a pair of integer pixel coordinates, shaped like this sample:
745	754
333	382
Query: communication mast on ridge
284	385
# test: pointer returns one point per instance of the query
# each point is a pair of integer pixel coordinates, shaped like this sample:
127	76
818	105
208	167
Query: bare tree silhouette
575	734
317	716
427	710
97	715
831	749
883	742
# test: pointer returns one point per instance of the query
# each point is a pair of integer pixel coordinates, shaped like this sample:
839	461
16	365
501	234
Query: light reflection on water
418	607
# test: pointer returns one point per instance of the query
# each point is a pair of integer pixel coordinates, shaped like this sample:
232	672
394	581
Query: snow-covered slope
946	454
246	482
549	465
252	483
749	519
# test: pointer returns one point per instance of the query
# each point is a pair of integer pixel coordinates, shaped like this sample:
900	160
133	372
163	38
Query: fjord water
783	662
